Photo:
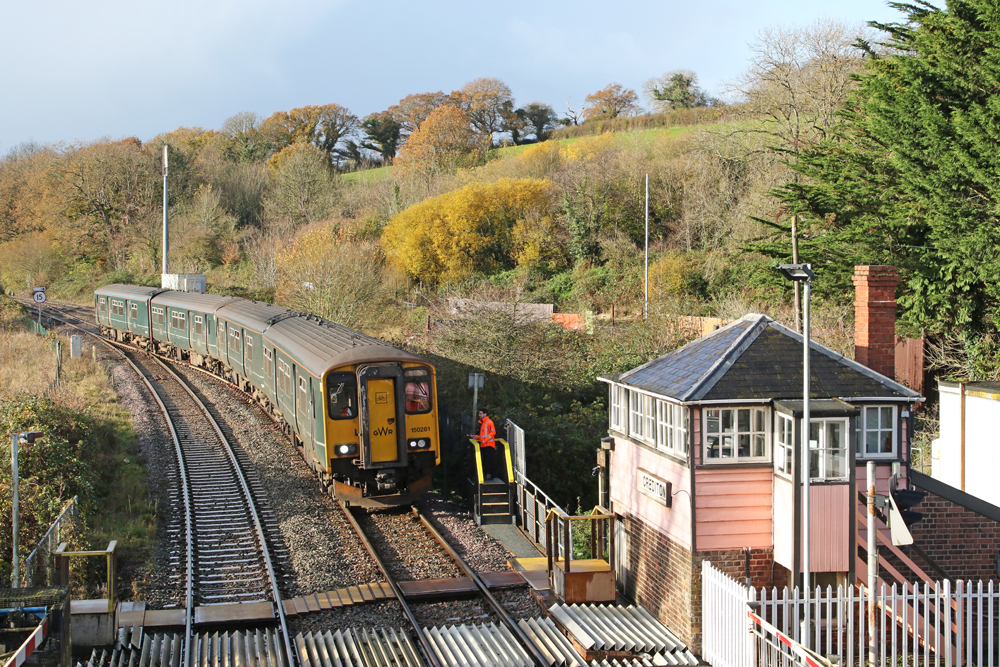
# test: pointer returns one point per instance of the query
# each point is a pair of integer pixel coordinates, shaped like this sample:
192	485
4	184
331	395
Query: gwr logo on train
256	346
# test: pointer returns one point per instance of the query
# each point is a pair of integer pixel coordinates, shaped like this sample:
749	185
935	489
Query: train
363	413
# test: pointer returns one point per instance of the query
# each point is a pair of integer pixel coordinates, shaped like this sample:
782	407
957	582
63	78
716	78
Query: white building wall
982	441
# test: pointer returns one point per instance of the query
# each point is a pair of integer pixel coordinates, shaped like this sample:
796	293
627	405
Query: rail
370	548
536	656
189	514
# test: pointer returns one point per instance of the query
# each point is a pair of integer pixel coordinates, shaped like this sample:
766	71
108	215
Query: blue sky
80	71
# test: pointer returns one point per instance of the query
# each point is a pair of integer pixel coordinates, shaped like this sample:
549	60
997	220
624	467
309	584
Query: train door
305	410
382	415
220	341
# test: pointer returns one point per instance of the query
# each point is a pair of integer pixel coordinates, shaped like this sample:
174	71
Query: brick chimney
875	318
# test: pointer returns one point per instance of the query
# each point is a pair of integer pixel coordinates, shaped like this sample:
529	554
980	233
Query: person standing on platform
487	444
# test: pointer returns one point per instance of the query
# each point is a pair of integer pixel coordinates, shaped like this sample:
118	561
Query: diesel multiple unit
363	412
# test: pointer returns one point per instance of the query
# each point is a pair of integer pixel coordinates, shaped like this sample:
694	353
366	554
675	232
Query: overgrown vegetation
87	450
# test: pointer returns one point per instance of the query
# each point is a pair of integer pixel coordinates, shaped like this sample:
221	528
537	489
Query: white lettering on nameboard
654	487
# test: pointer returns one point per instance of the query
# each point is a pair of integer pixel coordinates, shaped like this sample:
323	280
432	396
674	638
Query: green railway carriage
124	309
363	412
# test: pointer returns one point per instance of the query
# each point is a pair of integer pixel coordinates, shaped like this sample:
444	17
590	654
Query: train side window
133	311
343	395
234	340
220	335
283	383
417	390
249	342
117	307
102	303
198	324
157	315
268	363
303	395
178	320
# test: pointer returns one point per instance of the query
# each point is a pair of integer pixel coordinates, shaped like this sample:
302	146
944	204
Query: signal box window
343	395
417	392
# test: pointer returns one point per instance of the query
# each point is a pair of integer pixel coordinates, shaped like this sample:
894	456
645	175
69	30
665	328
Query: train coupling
386	481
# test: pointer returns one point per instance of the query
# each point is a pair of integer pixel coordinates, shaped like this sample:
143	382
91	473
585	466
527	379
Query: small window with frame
249	348
133	311
268	363
417	391
199	324
342	395
102	303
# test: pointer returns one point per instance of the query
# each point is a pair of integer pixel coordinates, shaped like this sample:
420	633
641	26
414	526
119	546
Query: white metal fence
515	437
724	620
941	624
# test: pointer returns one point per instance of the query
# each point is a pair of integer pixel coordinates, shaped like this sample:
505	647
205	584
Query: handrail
28	578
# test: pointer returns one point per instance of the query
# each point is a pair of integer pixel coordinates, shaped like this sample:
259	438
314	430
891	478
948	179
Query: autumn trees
610	102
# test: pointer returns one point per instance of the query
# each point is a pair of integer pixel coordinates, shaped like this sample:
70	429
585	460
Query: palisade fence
531	502
941	624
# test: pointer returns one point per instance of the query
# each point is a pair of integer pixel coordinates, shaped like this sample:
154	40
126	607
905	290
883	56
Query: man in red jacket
487	444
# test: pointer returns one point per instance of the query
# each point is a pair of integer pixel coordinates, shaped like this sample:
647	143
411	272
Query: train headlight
412	444
347	448
421	443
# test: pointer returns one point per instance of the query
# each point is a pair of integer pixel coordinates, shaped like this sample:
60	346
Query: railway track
224	539
214	492
404	549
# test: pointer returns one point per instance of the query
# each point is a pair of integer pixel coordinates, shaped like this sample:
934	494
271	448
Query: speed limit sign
39	297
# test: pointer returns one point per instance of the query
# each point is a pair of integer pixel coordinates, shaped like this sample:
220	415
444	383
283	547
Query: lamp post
802	273
15	438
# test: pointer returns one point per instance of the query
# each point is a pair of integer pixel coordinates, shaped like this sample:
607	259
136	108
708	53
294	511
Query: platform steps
495	503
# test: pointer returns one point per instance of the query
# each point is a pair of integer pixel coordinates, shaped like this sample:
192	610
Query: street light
803	273
15	438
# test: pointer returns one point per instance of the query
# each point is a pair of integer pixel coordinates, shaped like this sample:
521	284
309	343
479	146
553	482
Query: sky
76	71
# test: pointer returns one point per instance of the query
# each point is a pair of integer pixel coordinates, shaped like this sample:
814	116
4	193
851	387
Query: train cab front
383	429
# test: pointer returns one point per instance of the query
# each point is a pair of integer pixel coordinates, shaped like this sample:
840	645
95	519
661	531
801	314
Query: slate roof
756	358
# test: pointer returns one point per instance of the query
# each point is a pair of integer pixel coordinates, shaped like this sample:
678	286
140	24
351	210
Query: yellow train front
363	412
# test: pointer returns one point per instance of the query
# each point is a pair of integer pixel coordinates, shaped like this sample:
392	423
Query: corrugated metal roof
357	648
611	628
552	643
137	648
483	645
758	358
656	660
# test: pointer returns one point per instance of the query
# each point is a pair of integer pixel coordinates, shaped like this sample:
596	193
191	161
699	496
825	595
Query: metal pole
872	563
806	434
166	235
645	308
475	399
16	575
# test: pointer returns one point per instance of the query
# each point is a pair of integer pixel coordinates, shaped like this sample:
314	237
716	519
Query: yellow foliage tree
479	228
